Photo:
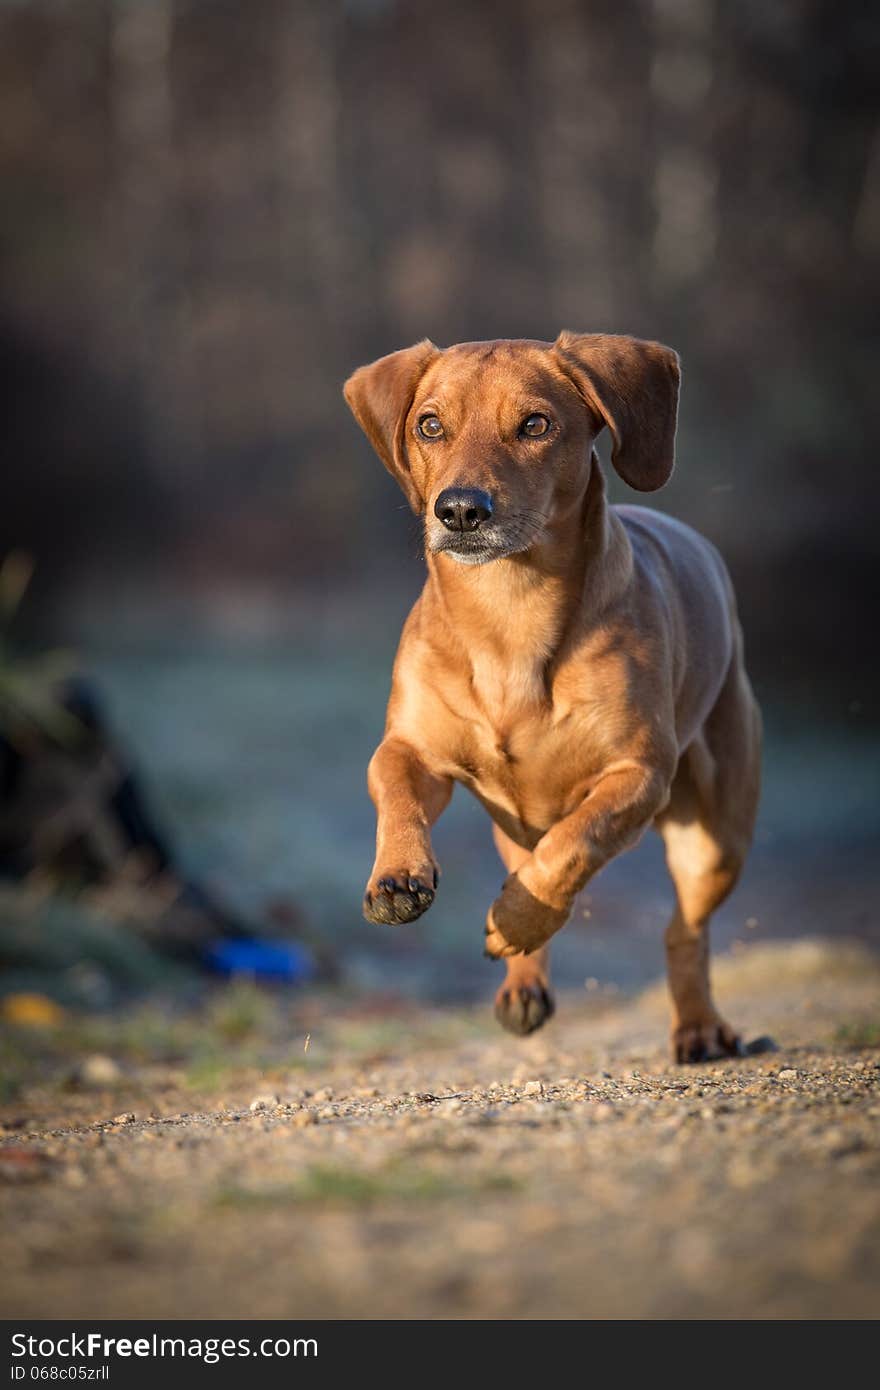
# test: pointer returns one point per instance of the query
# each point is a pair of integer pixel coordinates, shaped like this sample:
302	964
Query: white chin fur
475	559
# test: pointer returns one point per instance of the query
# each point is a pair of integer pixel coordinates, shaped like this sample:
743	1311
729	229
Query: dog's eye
534	426
430	427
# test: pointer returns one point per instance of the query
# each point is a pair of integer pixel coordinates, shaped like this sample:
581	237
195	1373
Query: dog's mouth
467	549
493	542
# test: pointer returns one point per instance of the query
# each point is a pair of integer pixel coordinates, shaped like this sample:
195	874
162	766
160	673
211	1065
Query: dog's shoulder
661	541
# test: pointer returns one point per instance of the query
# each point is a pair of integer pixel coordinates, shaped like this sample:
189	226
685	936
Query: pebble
126	1118
264	1102
533	1088
97	1071
23	1165
788	1074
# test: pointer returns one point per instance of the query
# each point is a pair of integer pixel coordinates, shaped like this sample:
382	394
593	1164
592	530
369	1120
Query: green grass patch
334	1185
859	1033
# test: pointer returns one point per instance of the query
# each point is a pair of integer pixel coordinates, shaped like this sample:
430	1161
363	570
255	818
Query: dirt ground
419	1163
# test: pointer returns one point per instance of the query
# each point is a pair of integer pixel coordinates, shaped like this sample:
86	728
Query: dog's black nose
463	508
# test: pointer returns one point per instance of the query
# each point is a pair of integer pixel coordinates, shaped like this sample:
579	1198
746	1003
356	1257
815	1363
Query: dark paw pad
705	1043
399	899
522	1009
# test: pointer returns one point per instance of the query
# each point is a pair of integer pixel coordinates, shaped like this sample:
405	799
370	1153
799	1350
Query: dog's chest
528	761
529	752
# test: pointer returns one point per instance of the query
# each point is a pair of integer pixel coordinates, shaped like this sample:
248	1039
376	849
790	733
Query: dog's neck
528	607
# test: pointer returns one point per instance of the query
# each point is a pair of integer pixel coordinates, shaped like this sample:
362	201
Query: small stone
788	1074
126	1118
96	1071
325	1094
264	1102
23	1165
533	1088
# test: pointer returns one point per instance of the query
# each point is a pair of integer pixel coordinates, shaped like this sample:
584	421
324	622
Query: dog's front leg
408	799
536	900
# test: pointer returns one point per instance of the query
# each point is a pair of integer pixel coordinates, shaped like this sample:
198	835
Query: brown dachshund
579	667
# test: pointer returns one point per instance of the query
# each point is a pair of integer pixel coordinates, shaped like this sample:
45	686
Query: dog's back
685	576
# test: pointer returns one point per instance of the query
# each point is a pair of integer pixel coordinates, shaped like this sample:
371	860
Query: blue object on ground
265	960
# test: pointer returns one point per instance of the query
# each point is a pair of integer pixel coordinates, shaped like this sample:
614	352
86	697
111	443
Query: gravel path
456	1172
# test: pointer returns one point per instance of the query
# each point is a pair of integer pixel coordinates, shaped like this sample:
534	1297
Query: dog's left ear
632	386
379	396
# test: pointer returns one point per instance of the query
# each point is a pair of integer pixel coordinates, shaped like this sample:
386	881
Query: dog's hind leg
524	1001
707	828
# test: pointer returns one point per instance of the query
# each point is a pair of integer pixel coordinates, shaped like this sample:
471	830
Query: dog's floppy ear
633	387
380	396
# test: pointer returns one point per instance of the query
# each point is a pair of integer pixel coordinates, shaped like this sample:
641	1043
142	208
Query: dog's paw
518	922
400	896
705	1041
523	1009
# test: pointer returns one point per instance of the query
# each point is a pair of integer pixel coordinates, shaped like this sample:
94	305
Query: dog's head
492	442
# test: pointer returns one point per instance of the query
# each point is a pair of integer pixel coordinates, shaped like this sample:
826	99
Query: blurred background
214	211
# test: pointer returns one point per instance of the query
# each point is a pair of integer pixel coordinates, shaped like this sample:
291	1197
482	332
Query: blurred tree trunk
319	261
591	64
317	252
685	176
141	105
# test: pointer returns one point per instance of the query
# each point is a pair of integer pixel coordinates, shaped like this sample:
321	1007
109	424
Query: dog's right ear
379	396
